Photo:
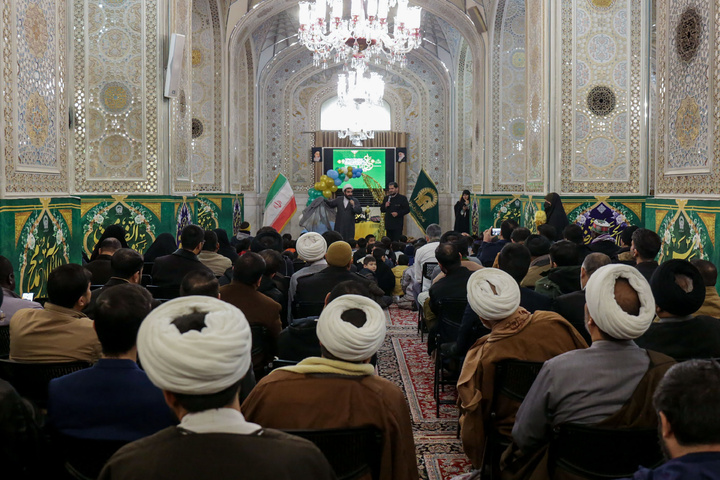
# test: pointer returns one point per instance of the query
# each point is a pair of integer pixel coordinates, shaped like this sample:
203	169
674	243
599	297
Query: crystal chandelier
356	125
355	87
361	37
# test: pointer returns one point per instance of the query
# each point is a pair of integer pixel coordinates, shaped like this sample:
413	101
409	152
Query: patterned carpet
403	359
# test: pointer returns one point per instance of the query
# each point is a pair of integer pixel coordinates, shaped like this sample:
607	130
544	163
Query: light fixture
357	123
361	37
355	87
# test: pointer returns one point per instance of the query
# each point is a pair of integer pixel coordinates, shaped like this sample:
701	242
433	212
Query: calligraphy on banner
139	222
43	246
685	236
509	209
184	218
208	214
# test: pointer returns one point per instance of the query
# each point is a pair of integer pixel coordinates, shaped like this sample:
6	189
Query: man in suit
168	271
395	207
100	267
126	266
645	246
113	400
12	302
347	207
572	305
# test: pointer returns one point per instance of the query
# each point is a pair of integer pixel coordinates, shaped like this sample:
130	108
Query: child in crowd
407	281
369	268
398	272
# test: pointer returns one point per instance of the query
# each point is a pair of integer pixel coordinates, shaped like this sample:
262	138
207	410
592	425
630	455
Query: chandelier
361	37
355	87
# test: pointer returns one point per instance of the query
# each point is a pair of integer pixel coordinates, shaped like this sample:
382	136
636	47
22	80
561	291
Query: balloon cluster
329	183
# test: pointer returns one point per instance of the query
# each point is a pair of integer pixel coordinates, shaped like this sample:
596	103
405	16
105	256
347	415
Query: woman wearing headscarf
164	244
115	231
462	213
226	250
556	215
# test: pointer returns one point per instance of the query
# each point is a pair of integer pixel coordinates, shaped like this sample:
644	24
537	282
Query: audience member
425	254
519	235
225	248
169	270
22	454
602	241
383	273
111	231
625	254
575	234
549	232
126	267
369	268
687	401
461	242
210	257
708	271
609	384
340	389
113	400
100	268
398	272
60	332
200	283
331	236
491	246
311	247
243	231
564	276
515	334
539	247
556	216
12	302
196	350
273	284
645	246
361	252
164	244
679	291
269	238
571	306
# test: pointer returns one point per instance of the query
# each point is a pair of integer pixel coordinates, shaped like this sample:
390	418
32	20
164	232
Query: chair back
145	280
263	349
352	452
513	378
427	270
307	309
451	311
4	341
31	379
96	287
84	458
575	448
165	292
148	267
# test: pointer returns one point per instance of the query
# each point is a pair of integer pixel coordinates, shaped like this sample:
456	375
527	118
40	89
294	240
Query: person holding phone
347	207
462	213
491	245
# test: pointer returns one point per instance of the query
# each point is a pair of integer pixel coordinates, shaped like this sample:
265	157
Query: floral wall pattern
34	100
181	107
141	222
536	130
465	119
600	75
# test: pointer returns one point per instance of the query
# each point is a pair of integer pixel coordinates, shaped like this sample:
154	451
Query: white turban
605	311
346	341
195	362
493	305
311	247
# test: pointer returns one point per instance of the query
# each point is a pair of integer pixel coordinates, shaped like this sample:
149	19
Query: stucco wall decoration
600	116
181	107
687	113
241	137
116	95
508	97
465	85
33	102
536	132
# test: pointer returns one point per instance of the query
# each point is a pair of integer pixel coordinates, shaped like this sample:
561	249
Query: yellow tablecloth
363	229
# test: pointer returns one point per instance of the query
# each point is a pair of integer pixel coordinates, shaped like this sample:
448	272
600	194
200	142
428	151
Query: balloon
324	178
358	169
333	189
332	174
349	169
348	177
327	193
318	186
338	182
341	170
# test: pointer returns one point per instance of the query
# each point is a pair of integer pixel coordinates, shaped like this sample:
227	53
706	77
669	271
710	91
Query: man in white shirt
423	255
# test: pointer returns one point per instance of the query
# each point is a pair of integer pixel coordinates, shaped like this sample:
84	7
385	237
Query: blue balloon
338	181
332	174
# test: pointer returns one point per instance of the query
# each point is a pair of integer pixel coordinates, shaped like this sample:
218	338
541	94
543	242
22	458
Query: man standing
395	207
347	207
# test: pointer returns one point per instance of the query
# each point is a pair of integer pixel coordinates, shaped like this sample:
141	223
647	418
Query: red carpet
404	361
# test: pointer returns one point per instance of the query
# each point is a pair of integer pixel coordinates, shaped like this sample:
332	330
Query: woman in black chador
462	213
556	215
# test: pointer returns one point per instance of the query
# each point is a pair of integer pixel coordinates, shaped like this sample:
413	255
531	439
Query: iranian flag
280	204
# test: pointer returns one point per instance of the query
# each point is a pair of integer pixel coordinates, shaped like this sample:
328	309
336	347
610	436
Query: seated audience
425	254
369	268
12	302
311	247
113	400
625	254
491	246
112	231
22	453
60	332
549	232
210	257
243	231
602	241
100	267
708	271
340	389
201	283
539	247
609	384
461	242
679	291
127	267
398	271
687	401
564	274
225	248
383	273
275	285
407	283
168	271
361	252
575	234
515	334
571	306
196	350
164	244
645	246
257	308
269	238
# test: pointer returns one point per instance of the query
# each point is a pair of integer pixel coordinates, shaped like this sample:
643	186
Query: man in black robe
347	207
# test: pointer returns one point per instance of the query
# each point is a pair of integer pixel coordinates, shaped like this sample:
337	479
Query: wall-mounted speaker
174	65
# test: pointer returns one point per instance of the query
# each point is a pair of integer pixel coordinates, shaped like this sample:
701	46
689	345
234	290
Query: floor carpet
403	359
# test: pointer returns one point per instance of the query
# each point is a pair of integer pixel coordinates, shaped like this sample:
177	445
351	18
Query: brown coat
289	400
259	309
523	336
711	305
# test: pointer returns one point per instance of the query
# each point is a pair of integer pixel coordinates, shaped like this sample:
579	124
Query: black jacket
398	203
169	271
572	308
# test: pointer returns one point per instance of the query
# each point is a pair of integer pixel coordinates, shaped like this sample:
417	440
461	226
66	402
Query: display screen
372	161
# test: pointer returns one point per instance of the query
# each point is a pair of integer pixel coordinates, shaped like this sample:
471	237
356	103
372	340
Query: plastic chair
513	379
574	449
427	270
31	379
4	341
352	452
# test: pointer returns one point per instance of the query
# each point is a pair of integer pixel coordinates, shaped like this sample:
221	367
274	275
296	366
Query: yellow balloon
324	178
333	188
349	169
319	186
327	193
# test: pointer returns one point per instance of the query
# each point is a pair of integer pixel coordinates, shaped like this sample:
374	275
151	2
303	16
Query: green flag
424	201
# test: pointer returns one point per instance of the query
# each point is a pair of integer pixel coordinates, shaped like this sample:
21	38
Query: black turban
267	241
669	295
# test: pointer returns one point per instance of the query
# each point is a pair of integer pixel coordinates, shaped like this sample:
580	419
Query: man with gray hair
426	254
196	350
572	305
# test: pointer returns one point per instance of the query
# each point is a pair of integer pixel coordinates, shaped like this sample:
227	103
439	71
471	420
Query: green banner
424	202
